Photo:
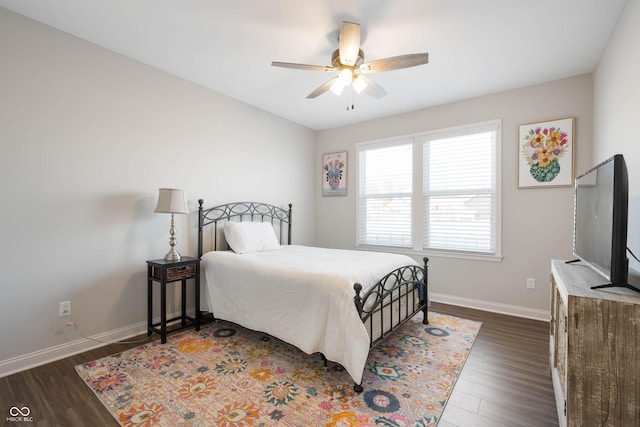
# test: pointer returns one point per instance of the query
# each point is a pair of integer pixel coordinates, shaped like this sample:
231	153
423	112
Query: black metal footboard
394	300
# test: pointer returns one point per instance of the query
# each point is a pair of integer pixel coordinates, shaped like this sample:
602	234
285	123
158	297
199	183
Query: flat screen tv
600	221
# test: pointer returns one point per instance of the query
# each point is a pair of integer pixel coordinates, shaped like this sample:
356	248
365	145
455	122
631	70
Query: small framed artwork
545	154
334	174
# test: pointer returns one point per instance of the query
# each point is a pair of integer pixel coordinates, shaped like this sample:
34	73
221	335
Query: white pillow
245	237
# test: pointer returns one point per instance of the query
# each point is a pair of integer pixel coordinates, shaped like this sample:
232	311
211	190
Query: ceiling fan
348	61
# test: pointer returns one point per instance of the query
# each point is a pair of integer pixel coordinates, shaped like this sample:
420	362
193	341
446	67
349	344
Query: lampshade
172	200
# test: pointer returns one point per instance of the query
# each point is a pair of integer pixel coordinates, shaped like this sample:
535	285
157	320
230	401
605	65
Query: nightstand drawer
176	273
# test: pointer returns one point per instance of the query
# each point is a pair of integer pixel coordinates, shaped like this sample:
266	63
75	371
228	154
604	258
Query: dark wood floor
505	382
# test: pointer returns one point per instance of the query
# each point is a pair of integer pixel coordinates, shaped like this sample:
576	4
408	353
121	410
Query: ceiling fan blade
326	68
395	63
373	88
349	43
322	89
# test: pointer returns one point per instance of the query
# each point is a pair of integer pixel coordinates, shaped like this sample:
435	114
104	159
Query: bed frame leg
325	361
358	388
425	310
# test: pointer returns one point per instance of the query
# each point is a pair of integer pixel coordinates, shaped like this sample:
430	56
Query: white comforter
302	295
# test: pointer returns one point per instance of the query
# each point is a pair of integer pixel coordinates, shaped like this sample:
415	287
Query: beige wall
88	136
536	223
617	111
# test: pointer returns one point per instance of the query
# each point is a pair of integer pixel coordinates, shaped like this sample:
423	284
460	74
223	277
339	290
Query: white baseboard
513	310
51	354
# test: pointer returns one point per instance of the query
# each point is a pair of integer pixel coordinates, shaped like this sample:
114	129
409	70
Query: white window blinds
459	191
385	193
435	191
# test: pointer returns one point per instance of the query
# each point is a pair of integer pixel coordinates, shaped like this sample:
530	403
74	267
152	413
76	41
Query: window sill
432	253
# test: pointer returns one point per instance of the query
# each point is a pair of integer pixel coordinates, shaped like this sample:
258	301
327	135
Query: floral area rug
226	375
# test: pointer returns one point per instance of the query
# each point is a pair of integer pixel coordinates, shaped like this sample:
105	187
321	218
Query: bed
339	303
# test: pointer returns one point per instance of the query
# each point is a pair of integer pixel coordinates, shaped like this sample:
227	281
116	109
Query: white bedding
302	295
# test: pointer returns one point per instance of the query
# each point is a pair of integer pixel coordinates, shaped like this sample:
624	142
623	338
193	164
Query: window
386	192
435	191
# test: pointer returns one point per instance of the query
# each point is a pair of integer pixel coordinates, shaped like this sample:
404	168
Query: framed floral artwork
334	174
545	154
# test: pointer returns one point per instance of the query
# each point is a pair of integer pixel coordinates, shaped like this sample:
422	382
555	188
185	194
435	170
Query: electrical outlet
531	283
64	309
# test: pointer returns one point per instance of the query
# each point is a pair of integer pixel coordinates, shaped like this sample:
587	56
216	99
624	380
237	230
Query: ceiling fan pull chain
353	105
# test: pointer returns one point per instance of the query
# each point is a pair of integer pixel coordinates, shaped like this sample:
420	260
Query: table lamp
173	201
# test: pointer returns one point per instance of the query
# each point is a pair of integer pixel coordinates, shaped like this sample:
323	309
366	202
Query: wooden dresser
594	349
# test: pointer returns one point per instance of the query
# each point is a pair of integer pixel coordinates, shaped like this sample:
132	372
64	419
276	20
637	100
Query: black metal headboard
242	211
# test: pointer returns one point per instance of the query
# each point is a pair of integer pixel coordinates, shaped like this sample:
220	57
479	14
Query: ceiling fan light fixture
346	76
337	87
359	84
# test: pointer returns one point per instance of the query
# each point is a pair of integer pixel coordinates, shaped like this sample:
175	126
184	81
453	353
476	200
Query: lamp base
172	255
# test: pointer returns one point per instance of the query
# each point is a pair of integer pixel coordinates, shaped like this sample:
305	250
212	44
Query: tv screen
600	220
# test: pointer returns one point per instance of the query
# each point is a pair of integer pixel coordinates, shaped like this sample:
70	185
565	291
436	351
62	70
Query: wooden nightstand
163	272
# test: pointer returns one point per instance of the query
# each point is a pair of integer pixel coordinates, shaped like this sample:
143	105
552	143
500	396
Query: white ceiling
475	47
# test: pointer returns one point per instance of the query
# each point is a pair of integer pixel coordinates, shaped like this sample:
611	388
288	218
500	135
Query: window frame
417	200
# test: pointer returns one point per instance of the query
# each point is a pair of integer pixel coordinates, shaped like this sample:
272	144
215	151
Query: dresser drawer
176	273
